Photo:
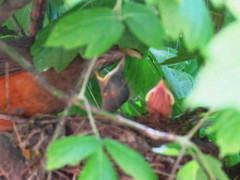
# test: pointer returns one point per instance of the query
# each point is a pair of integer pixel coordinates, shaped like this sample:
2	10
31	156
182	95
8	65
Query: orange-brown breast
20	94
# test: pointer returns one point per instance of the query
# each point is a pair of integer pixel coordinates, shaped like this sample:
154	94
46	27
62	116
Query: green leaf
192	170
225	128
180	82
98	167
71	150
190	18
130	161
234	7
143	23
218	85
171	18
182	56
23	18
196	24
170	149
144	77
97	29
232	160
48	57
218	3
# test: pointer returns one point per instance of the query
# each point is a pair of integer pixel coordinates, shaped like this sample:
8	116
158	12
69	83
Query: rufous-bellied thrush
19	90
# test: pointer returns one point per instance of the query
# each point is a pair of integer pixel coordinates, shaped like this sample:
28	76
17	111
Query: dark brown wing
22	46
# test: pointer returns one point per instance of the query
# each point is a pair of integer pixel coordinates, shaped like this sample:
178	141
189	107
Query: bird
114	88
159	102
22	95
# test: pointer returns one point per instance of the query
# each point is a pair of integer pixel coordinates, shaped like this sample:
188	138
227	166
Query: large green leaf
143	23
144	77
234	7
98	167
47	57
130	161
218	85
190	18
193	171
171	18
97	29
71	150
226	130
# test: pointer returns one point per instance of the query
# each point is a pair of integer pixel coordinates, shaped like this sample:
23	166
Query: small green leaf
192	170
181	57
98	167
97	29
232	160
71	150
130	161
225	128
170	149
143	23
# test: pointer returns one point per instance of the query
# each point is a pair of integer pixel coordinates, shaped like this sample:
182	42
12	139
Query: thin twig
12	118
176	165
198	125
90	117
86	78
7	87
62	121
152	133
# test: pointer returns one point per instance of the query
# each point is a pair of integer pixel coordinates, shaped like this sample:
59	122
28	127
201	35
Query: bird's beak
132	53
160	100
103	81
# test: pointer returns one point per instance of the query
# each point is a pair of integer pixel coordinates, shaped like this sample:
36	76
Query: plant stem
118	8
90	117
198	125
87	76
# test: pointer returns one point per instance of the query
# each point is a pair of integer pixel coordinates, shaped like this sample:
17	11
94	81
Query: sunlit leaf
192	170
143	23
225	128
218	84
130	161
47	57
71	150
98	29
98	167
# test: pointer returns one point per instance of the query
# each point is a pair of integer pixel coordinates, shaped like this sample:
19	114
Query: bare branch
9	7
37	16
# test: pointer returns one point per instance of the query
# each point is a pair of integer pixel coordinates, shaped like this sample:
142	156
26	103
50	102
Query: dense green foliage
187	42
